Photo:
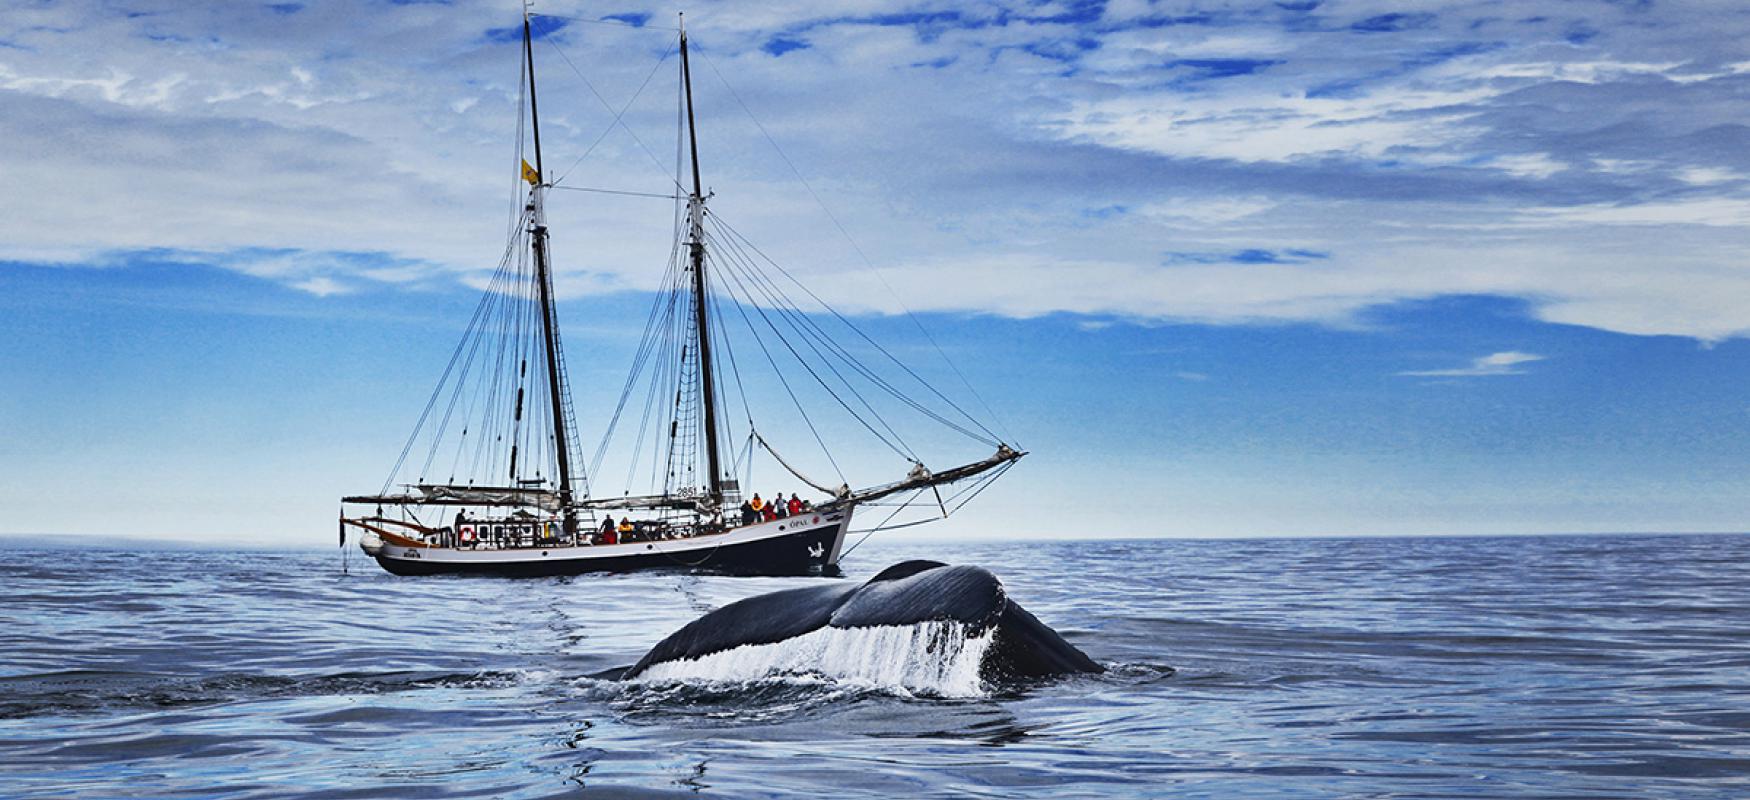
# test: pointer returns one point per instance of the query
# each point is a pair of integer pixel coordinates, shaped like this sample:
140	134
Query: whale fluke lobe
905	569
765	619
1026	647
994	635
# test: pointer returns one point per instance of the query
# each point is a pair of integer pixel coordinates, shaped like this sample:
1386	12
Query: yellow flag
530	175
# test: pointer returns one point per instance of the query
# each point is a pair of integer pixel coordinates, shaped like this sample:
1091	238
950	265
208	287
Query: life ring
467	533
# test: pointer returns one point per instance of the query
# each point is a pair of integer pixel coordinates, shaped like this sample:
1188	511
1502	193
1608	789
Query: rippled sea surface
1502	667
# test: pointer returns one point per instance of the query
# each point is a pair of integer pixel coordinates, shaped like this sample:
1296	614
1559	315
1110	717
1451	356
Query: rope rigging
990	438
739	277
807	327
499	400
619	115
867	263
504	439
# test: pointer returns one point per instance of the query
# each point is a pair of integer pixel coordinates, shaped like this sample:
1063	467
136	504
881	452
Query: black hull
790	554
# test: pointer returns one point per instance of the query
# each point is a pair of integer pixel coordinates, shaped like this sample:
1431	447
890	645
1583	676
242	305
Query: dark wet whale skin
906	593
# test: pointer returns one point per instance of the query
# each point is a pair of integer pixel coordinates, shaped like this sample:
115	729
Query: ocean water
1580	667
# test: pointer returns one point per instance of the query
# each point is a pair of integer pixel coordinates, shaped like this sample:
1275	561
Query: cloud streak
1503	363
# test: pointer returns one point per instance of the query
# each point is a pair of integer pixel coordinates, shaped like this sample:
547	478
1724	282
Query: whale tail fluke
908	606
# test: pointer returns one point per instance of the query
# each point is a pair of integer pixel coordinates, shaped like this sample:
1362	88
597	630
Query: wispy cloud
321	286
1504	363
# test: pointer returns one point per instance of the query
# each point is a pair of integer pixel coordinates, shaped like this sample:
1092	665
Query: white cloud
1707	176
1206	210
1578	71
1269	126
115	86
1503	363
1529	165
321	286
1729	212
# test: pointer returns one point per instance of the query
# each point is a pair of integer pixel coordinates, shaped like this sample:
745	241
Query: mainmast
696	221
544	285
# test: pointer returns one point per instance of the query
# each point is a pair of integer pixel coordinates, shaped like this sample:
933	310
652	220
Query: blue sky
1225	268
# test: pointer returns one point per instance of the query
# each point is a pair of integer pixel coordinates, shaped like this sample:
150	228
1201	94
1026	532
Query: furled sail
442	495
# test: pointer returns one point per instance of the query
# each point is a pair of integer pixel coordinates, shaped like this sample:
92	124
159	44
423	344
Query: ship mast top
701	320
544	287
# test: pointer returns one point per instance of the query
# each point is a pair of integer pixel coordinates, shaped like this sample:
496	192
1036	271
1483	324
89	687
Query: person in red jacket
795	505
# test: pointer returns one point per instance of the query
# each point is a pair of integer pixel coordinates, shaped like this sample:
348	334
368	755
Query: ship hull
808	544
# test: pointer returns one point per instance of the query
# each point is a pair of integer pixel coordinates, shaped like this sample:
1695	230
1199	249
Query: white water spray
938	658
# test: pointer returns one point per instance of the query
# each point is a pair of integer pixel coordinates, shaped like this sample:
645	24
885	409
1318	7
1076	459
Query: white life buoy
467	533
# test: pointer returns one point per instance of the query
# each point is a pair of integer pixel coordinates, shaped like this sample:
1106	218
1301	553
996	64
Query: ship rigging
500	425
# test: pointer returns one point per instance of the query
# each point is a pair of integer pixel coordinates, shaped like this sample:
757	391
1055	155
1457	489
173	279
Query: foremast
544	286
701	316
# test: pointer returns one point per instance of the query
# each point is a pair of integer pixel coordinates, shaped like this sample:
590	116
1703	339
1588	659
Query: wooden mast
696	214
544	285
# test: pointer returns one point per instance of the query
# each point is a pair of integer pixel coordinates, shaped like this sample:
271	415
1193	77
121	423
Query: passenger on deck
771	512
758	506
795	505
607	531
625	530
748	517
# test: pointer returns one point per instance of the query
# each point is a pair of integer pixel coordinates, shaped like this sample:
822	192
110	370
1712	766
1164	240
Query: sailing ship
503	408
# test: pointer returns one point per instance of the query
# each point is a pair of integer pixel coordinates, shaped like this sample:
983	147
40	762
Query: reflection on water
1544	667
